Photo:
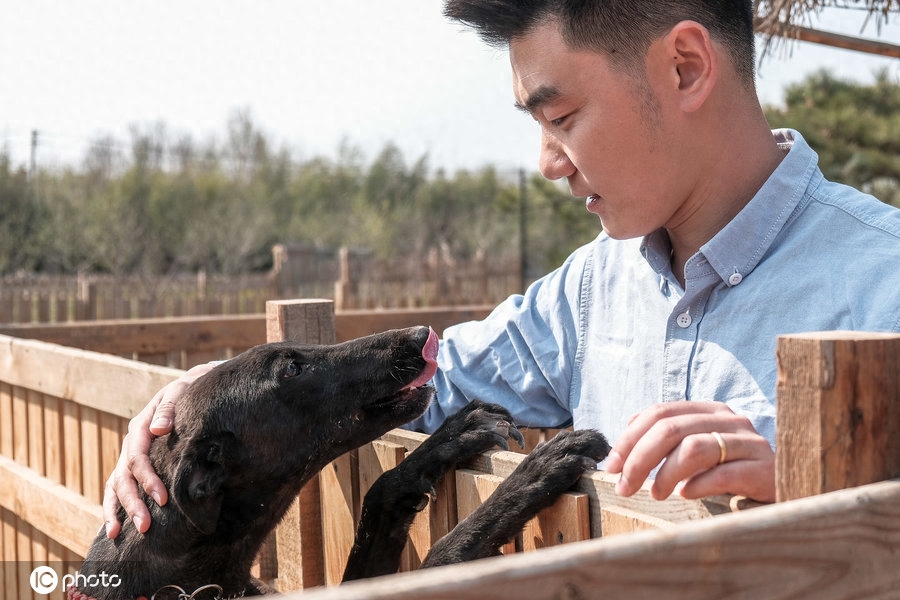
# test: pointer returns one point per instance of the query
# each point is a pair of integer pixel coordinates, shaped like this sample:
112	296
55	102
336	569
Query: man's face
600	130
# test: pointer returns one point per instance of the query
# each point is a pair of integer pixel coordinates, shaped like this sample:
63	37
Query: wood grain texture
68	517
838	411
841	545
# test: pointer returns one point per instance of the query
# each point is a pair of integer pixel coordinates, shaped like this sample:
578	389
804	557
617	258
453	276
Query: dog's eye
292	370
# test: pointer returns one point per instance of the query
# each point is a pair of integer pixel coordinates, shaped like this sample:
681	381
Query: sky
311	76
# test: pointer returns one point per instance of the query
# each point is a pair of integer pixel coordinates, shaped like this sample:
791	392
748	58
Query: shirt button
684	320
735	278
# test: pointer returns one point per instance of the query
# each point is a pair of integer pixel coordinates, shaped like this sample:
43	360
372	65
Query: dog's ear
199	475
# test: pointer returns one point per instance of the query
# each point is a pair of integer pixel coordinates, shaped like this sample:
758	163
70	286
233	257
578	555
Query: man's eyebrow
540	97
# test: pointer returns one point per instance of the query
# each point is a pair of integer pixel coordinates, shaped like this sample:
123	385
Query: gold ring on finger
723	451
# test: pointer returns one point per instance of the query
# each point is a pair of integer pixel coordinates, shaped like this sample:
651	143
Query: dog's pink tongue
429	353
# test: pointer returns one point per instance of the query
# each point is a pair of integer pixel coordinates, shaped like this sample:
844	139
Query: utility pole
32	168
523	230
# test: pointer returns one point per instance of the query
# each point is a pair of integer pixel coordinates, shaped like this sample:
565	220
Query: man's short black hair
621	29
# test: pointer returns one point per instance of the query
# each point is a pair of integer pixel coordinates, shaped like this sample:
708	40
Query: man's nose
554	163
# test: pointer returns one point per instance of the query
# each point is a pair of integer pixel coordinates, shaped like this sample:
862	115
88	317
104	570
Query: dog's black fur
251	432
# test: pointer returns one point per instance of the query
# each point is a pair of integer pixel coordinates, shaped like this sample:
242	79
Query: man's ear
694	63
199	474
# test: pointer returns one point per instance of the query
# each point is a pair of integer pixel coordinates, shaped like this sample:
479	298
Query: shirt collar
736	250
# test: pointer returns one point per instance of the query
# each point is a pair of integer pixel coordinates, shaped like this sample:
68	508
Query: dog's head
270	418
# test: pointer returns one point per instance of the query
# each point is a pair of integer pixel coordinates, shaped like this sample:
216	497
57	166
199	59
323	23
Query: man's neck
744	163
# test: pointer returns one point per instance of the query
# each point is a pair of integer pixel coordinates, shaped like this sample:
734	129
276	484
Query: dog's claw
589	463
517	435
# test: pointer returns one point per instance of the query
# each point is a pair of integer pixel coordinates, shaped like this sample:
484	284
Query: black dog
251	432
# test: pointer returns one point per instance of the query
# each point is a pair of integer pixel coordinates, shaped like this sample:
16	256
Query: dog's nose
430	344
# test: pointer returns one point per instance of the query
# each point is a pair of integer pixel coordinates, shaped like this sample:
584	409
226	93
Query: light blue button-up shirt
612	332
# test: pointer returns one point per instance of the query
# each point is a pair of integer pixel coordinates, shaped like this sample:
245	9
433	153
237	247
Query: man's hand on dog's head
133	467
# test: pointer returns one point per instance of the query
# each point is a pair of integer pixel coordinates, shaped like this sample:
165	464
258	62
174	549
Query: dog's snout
419	334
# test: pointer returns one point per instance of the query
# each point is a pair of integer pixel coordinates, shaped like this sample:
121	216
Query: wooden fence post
300	532
838	411
345	287
86	304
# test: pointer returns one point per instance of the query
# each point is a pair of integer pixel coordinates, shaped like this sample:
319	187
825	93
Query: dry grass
777	16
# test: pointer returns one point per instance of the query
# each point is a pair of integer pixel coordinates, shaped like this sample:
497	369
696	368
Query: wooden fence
182	342
354	280
63	412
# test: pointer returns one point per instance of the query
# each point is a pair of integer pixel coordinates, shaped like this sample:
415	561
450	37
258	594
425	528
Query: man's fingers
677	437
641	423
133	468
110	508
665	438
164	417
696	454
142	471
164	413
124	489
125	483
751	478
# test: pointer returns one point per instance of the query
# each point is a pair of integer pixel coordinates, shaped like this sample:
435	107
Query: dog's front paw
555	465
478	427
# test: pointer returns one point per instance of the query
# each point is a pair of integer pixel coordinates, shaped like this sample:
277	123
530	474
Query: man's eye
559	122
292	370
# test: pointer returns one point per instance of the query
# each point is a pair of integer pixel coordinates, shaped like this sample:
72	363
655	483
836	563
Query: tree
854	128
19	219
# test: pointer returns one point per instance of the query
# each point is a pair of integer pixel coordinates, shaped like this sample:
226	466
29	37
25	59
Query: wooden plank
436	519
375	459
312	322
472	489
600	489
598	485
35	432
408	439
92	479
838	411
288	548
71	424
432	523
8	553
197	357
20	425
305	321
615	520
112	430
350	324
115	385
568	520
835	40
39	554
840	545
339	497
6	419
149	336
23	558
69	518
157	336
53	439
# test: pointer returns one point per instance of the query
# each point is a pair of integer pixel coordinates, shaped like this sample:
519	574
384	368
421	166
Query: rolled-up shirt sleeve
521	356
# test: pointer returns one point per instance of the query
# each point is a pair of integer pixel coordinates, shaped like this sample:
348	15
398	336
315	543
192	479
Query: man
718	235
